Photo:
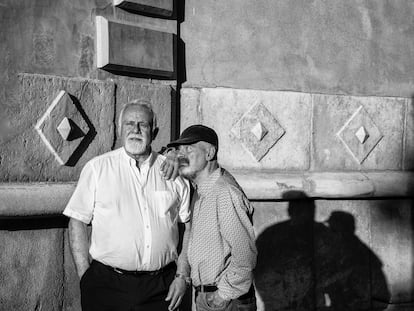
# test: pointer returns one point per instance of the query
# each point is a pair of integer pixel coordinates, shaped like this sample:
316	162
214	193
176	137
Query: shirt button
147	227
147	246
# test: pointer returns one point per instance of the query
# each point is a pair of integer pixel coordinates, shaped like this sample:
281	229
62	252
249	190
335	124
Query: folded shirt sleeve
81	204
184	192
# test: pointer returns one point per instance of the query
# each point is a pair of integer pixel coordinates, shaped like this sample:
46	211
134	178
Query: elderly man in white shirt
131	262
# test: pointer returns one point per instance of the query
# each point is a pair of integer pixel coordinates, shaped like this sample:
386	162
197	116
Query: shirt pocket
166	203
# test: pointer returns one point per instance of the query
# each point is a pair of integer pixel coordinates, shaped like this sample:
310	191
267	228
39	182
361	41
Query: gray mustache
182	160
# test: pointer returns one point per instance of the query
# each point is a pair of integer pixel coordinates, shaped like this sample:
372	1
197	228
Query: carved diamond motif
258	131
69	130
62	127
360	135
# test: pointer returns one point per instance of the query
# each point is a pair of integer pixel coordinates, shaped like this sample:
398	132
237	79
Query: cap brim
182	141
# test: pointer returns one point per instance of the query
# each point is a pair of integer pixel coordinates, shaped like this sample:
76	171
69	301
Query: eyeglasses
143	126
186	148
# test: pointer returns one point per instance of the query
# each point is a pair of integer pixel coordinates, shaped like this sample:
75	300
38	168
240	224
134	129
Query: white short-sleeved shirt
134	212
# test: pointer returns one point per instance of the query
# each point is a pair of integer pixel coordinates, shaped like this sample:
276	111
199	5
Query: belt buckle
118	271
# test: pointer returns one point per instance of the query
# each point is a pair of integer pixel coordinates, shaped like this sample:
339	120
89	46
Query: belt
170	266
205	288
212	288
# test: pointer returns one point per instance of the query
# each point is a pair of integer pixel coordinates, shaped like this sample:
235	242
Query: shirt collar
132	162
205	186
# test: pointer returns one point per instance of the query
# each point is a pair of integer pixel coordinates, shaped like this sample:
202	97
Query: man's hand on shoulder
169	168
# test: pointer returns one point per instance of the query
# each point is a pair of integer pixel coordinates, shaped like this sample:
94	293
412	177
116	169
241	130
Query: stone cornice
333	185
30	199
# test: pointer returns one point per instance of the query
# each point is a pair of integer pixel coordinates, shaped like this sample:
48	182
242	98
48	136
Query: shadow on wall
307	265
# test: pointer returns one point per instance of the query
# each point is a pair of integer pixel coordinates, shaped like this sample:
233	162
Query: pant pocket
203	304
246	305
84	276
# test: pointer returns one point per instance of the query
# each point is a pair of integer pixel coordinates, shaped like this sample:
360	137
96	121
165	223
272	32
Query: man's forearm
183	266
79	244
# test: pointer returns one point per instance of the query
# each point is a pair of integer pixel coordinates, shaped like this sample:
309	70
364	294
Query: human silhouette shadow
308	265
349	272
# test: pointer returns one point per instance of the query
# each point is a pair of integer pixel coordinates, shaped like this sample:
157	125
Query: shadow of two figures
308	265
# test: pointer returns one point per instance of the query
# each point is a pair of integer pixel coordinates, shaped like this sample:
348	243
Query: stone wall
312	102
57	111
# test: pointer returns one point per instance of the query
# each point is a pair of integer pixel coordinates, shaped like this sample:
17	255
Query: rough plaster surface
332	47
409	136
161	99
31	270
57	38
221	109
23	155
331	112
190	108
340	255
72	289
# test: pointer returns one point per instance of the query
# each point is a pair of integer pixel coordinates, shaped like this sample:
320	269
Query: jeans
202	304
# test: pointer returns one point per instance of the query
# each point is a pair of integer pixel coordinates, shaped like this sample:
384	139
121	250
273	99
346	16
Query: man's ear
154	133
211	153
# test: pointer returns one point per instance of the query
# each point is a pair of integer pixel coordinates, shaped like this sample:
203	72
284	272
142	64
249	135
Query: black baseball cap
195	133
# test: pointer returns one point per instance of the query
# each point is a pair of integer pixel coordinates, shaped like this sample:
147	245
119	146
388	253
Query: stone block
391	234
157	7
161	98
133	50
334	113
72	289
64	129
222	109
332	254
31	269
409	136
25	157
34	199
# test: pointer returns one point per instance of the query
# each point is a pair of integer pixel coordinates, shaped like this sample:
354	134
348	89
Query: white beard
135	147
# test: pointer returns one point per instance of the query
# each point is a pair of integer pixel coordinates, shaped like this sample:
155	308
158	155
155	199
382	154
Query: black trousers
104	289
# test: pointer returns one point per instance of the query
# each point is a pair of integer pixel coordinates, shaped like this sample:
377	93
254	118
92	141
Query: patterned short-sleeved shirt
221	248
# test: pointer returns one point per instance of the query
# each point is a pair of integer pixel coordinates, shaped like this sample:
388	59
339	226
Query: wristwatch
187	279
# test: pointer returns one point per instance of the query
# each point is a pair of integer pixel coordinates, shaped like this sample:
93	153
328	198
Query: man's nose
181	151
136	128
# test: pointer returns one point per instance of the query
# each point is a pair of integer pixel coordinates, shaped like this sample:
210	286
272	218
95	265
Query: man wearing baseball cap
221	245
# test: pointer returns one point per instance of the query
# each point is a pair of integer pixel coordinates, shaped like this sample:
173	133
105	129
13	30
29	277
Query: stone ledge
30	199
272	186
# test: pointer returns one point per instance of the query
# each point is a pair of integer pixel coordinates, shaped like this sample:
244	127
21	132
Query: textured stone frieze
69	130
222	108
62	127
331	112
360	135
258	131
